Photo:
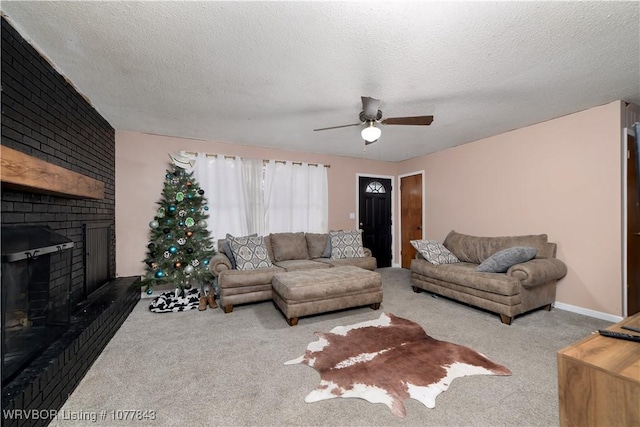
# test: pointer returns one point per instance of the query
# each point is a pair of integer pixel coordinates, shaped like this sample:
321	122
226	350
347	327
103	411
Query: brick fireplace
47	120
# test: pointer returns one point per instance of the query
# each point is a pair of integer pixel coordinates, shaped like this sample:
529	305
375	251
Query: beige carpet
214	369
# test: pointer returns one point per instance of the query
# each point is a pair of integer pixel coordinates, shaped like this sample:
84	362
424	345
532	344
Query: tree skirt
172	301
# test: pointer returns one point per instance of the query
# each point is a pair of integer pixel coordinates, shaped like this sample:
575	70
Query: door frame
424	216
393	222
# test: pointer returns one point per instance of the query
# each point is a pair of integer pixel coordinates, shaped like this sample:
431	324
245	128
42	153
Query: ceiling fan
370	115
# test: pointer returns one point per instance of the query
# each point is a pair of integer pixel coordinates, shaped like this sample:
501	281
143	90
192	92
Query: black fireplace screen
36	281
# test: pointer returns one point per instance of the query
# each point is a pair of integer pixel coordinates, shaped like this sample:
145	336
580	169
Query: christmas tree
179	246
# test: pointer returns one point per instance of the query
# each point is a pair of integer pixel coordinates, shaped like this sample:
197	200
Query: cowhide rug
389	360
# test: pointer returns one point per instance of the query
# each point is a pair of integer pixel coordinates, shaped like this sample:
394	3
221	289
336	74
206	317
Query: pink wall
141	161
561	177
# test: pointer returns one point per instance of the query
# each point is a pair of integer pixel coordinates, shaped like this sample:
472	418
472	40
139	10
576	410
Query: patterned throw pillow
502	260
250	252
346	244
226	248
434	252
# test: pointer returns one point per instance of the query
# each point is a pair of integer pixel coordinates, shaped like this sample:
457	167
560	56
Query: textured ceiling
267	73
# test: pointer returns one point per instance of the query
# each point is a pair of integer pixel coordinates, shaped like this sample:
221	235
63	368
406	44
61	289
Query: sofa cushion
465	274
434	252
502	260
316	244
476	249
366	263
286	246
346	244
301	264
250	252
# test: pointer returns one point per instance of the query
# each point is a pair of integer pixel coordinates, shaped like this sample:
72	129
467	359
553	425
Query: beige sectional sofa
523	287
287	252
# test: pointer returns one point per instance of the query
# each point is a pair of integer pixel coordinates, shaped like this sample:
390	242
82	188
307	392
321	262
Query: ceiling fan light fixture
371	133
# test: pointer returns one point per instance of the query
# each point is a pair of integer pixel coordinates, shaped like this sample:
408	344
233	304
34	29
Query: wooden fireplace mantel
27	173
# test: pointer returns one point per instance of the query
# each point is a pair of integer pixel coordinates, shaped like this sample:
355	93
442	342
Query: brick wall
45	117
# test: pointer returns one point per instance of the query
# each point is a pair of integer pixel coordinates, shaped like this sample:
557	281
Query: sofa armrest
538	271
218	263
367	252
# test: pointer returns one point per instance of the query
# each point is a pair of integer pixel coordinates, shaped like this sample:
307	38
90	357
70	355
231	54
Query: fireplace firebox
36	281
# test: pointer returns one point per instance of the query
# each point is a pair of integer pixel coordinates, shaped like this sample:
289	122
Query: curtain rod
263	162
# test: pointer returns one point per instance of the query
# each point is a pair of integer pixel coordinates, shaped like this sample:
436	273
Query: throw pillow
434	252
346	244
326	253
226	248
288	246
502	260
250	252
316	244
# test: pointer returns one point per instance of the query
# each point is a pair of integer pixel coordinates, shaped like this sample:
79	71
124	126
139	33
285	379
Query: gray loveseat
287	252
523	287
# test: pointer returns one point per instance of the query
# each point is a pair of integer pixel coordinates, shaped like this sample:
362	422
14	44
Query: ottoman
306	292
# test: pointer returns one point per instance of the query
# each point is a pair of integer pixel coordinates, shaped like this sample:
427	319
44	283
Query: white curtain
252	174
296	197
222	180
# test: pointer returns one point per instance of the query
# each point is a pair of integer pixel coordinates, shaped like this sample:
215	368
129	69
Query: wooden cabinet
599	380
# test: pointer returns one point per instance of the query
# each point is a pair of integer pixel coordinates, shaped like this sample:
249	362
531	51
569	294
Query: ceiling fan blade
338	127
369	142
370	107
418	121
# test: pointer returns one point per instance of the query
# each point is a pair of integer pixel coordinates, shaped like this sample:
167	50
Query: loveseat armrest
367	252
218	263
538	271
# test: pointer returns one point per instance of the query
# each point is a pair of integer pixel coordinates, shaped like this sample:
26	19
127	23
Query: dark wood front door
410	215
375	217
633	230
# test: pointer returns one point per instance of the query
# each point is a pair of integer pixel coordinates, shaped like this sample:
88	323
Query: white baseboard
587	312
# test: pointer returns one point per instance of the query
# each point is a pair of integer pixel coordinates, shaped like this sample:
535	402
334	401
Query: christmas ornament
192	210
166	230
154	266
189	250
188	269
172	209
169	221
189	222
168	237
189	196
182	213
167	176
153	254
177	264
195	263
151	246
182	241
189	233
173	249
161	213
189	184
181	223
202	223
159	274
180	196
166	254
201	192
206	208
154	224
205	262
149	291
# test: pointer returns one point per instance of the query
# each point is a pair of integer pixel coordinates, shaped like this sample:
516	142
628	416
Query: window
375	187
